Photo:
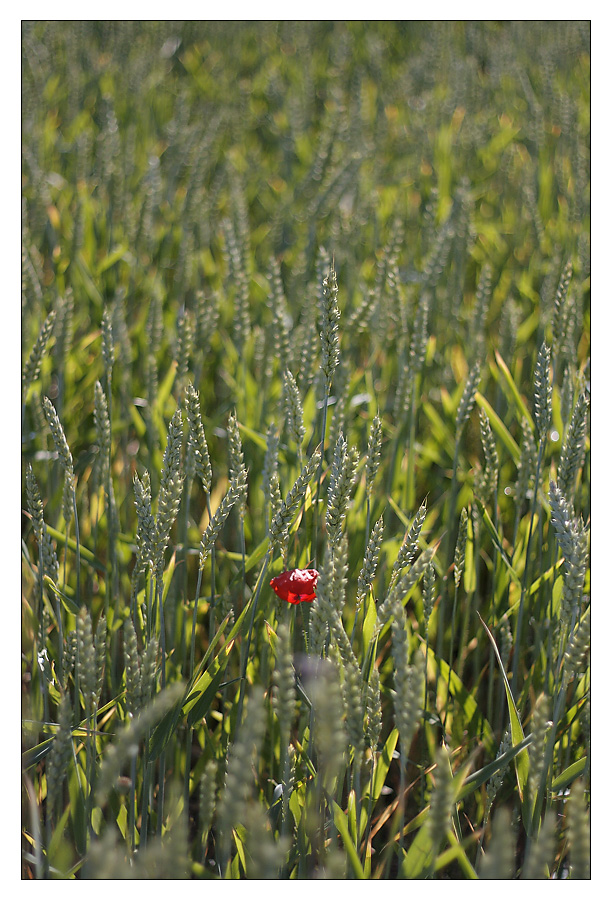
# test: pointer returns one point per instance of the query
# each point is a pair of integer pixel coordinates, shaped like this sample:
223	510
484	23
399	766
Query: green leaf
59	851
164	730
296	803
239	624
77	807
257	438
34	755
86	554
240	837
341	823
568	775
456	852
204	680
499	428
474	720
201	665
549	575
369	621
258	553
382	765
401	515
441	435
352	816
88	282
511	390
137	421
419	859
165	388
167	577
521	762
68	602
469	572
496	540
199	702
111	259
473	781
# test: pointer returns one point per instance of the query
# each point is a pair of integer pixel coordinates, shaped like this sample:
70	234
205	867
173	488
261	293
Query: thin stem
188	736
179	629
319	479
519	622
245	656
411	441
453	524
450	657
41	864
368	827
78	550
60	640
211	614
402	803
39	632
159	586
193	623
132	809
91	718
147	765
548	760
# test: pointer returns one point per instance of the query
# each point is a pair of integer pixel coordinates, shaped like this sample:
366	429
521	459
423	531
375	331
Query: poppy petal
295	585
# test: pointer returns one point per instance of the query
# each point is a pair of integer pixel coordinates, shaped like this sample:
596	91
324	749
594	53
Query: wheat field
305	440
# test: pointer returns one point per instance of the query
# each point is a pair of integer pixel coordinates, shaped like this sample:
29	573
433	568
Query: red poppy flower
296	585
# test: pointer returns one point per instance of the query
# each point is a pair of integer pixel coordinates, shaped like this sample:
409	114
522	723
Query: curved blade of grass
473	781
440	432
137	421
167	577
34	755
240	837
494	535
202	664
382	767
111	259
419	859
258	554
86	554
76	780
404	519
199	702
58	842
351	815
255	436
472	717
165	389
88	282
69	603
167	725
369	624
498	427
511	390
470	567
548	575
341	823
456	852
521	762
568	775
